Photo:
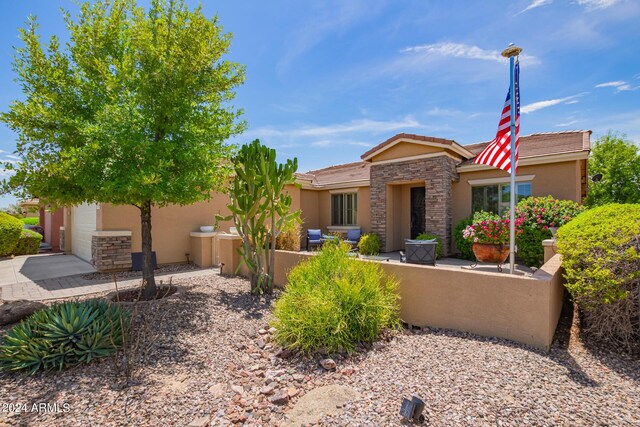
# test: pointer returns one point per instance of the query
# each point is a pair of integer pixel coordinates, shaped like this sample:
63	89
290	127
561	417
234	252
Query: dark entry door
418	211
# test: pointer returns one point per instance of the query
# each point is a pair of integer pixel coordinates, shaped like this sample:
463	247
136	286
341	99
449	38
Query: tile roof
338	174
544	143
536	144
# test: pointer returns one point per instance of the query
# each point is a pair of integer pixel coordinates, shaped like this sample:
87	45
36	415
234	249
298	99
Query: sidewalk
75	286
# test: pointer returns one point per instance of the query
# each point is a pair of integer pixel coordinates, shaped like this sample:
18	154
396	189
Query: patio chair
314	238
353	237
419	252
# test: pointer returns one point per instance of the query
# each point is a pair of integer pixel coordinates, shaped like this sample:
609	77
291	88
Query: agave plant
64	334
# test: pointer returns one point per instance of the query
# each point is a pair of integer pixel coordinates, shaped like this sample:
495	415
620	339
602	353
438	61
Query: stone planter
553	230
487	252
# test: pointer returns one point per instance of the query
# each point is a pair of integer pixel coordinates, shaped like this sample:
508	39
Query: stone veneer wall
437	173
111	252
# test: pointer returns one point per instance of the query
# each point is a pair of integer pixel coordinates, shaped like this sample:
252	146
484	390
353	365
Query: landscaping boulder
14	311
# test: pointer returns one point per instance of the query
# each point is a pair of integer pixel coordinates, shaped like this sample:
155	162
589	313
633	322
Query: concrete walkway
26	268
40	286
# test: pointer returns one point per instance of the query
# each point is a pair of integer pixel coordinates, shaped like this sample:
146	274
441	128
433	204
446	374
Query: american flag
498	152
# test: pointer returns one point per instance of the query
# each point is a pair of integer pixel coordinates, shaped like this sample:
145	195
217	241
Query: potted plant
490	239
546	212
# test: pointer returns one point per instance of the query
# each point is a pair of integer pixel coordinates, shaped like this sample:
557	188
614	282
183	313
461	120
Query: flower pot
488	252
553	230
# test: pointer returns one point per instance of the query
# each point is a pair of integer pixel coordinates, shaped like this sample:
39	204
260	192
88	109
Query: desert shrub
463	245
10	230
63	335
30	220
28	243
369	244
289	238
601	255
429	236
332	302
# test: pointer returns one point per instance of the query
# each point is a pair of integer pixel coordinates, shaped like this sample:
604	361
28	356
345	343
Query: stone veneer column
437	173
111	250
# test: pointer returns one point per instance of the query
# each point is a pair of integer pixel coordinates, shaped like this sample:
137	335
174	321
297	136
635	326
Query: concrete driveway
29	268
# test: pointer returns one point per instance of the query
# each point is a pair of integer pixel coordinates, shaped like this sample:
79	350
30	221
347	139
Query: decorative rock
260	343
269	389
251	332
328	364
217	390
280	398
262	331
14	311
200	422
298	377
237	388
272	330
327	400
292	391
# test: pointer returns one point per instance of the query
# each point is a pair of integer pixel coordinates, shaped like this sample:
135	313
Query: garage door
83	224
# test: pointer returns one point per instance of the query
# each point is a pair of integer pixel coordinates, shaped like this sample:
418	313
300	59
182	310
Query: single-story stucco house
404	186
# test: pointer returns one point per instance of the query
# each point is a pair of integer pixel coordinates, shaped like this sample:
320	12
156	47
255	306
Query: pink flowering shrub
538	214
545	212
491	231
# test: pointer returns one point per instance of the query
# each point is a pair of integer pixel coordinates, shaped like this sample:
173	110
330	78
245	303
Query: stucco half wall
522	309
170	225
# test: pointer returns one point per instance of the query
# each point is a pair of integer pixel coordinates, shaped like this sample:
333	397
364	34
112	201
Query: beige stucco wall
561	180
171	225
405	149
317	208
523	309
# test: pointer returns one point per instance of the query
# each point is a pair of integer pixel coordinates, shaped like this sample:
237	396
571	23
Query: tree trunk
148	279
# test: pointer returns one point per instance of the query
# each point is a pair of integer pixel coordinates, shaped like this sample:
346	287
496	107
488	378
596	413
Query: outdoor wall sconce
411	410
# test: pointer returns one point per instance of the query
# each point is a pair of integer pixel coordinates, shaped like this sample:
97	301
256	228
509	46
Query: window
495	198
344	209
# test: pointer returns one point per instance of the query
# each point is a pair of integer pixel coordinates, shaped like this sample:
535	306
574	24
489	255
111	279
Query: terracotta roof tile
540	144
340	173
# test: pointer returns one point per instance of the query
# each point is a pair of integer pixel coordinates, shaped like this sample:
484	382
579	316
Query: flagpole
512	52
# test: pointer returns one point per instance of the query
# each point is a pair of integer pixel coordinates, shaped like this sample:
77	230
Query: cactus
260	207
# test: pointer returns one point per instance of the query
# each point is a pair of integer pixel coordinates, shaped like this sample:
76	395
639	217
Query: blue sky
327	80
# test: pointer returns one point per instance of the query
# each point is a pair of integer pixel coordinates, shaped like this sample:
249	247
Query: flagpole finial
512	50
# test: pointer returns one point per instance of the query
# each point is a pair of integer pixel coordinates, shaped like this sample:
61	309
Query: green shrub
463	245
63	335
289	238
429	236
600	251
333	301
30	221
10	230
369	244
480	216
529	242
28	243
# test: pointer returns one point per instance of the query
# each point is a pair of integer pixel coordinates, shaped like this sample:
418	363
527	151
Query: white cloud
534	4
596	4
334	142
568	123
619	85
354	126
11	156
611	84
461	50
539	105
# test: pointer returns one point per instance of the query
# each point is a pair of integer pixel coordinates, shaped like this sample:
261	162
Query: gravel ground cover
214	363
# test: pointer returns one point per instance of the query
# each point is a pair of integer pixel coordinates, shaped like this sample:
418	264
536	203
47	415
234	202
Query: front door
418	211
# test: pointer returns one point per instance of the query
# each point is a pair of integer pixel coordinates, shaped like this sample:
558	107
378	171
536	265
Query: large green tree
134	109
618	160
